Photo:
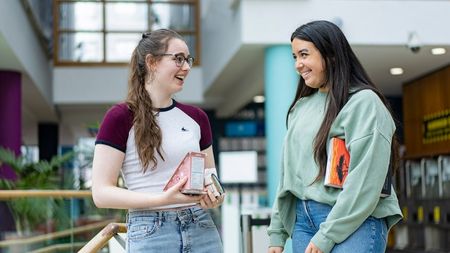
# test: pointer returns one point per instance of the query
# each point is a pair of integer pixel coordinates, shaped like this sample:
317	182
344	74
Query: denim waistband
167	215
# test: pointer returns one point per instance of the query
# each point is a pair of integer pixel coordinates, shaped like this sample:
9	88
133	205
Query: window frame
57	31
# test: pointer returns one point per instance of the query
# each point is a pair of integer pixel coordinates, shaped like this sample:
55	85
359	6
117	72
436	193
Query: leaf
9	158
34	175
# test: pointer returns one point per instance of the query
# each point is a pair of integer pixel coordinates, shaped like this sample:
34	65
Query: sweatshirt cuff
277	240
322	242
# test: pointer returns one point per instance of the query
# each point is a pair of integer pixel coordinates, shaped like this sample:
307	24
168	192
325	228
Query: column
280	87
10	133
10	116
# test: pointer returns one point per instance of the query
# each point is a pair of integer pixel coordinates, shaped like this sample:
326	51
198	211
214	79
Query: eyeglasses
180	59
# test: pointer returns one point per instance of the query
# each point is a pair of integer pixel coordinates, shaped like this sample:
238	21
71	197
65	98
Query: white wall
22	41
221	37
108	85
364	22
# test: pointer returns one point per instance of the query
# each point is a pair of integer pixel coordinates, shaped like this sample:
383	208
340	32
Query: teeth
305	73
180	77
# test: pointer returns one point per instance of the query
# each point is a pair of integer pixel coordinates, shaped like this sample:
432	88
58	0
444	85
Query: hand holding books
212	182
173	194
198	178
192	167
214	188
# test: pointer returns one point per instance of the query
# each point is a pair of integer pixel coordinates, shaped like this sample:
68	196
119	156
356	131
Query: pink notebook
192	167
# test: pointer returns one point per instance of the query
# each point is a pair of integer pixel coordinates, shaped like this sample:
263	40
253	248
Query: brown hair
147	132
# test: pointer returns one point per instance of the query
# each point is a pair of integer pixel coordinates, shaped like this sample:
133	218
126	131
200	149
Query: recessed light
396	71
259	99
438	51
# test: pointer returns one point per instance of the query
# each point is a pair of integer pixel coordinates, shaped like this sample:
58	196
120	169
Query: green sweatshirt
367	128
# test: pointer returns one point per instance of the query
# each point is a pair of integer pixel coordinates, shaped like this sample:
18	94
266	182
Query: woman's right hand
275	250
174	195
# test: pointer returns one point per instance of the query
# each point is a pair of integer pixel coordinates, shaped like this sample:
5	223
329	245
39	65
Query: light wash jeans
370	237
189	230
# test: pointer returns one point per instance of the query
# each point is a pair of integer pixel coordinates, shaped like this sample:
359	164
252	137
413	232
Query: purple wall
10	116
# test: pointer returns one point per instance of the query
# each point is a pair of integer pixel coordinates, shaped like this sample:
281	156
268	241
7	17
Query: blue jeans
370	237
189	230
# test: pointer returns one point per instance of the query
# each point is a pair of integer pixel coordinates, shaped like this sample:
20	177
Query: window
106	31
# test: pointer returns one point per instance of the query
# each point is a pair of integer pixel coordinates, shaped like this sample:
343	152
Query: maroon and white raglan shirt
184	128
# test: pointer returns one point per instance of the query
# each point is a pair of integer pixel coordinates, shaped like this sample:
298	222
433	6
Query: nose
186	66
298	64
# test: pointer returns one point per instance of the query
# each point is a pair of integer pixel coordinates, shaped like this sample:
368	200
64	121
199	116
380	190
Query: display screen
238	166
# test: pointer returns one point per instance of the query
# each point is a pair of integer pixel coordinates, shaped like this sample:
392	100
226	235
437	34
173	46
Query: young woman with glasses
335	98
144	139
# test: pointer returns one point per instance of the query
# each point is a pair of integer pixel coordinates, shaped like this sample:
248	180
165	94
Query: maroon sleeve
202	119
115	127
205	127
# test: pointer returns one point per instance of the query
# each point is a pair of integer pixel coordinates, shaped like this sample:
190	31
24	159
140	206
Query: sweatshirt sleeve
369	162
361	191
277	232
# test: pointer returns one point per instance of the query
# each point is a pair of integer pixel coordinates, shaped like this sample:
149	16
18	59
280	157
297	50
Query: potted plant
42	175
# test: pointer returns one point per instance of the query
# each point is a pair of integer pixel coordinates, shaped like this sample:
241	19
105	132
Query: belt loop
194	215
159	216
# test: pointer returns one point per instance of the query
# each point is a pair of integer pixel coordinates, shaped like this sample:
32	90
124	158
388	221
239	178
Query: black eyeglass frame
189	59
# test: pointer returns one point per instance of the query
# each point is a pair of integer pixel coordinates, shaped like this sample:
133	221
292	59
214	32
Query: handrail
54	235
95	244
59	247
13	194
99	240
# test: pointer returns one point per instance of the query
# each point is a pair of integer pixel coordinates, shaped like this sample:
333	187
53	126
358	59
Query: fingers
211	201
275	250
180	183
208	201
312	248
203	204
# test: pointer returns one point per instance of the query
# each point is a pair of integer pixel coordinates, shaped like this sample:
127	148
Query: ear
150	62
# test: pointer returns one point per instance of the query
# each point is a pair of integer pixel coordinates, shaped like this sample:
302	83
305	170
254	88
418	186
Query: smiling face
168	77
309	63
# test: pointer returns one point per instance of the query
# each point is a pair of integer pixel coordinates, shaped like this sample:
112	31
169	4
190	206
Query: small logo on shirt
184	129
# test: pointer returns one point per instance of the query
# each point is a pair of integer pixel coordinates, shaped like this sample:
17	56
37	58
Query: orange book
337	163
337	167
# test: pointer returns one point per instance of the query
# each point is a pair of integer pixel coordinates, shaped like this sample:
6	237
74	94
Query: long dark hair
343	72
147	132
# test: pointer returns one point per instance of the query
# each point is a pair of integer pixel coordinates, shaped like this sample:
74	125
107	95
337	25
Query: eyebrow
303	50
181	53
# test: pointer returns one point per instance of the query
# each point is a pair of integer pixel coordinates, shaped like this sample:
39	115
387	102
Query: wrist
160	200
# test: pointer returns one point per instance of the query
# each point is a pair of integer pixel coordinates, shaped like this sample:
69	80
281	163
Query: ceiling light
259	99
396	71
438	51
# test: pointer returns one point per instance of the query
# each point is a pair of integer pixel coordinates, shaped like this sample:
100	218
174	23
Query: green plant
42	175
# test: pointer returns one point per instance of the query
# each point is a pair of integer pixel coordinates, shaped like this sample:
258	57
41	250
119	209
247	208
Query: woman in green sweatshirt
335	98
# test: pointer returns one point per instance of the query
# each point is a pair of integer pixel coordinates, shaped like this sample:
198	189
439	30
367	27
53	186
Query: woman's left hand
312	248
211	201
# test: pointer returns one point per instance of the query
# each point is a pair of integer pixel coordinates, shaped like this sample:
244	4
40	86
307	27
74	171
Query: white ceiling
379	59
226	94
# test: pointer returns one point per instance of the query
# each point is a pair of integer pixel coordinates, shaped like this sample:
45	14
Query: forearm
119	198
